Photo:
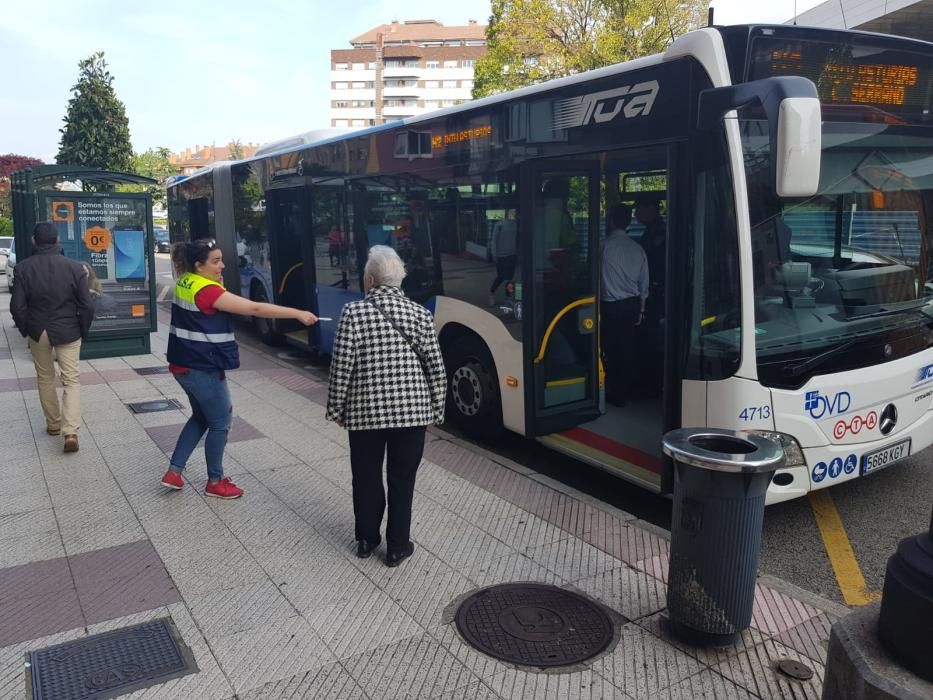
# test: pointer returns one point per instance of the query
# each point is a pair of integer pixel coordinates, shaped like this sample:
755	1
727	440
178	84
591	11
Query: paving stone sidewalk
267	591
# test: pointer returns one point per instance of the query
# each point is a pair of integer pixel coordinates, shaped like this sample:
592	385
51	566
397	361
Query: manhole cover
534	625
152	370
110	664
795	669
154	406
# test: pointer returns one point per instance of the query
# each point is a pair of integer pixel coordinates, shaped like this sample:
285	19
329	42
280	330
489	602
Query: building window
358	122
476	43
468	62
341	122
466	84
431	65
339	104
530	60
340	66
432	84
447	103
452	43
359	66
341	86
371	65
450	83
450	64
358	85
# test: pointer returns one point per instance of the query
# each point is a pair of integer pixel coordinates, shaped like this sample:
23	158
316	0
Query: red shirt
205	300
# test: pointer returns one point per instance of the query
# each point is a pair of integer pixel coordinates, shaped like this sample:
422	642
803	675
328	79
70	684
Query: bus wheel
473	401
264	326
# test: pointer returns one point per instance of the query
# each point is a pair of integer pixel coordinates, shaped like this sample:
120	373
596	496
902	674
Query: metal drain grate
152	370
534	625
110	664
154	406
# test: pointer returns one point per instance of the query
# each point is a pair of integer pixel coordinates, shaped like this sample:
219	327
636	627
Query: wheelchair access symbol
850	464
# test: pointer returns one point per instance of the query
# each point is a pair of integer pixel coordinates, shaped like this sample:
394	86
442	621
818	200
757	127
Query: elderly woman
387	385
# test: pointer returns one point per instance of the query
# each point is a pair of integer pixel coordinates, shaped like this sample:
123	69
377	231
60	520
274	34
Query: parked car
10	264
5	243
162	242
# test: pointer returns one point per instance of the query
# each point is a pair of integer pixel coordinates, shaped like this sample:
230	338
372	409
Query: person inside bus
624	293
654	242
387	384
201	348
504	251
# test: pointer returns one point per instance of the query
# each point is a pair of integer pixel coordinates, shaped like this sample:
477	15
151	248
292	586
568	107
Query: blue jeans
211	412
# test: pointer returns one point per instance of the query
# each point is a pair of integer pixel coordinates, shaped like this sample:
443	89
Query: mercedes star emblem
888	418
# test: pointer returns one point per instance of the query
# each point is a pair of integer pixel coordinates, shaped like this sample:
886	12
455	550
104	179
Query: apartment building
403	69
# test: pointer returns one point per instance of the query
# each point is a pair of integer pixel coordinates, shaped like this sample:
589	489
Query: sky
202	72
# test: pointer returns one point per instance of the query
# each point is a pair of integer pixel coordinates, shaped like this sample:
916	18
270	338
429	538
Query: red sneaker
223	489
173	480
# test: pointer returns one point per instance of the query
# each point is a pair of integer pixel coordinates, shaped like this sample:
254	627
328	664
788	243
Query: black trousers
505	270
368	448
620	346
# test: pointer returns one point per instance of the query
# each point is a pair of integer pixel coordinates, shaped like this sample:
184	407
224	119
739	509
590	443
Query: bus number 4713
755	413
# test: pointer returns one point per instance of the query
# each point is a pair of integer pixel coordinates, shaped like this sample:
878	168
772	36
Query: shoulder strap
423	361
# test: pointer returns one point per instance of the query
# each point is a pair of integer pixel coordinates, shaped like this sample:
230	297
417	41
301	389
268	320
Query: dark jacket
51	294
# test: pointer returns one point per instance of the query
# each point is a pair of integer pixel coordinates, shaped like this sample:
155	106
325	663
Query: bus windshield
843	279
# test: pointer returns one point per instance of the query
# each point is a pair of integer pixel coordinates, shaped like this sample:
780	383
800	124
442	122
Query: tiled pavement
267	591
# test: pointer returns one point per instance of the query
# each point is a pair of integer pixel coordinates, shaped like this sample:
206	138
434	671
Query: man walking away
52	308
622	307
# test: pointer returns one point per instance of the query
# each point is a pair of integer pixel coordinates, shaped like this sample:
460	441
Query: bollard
720	481
905	624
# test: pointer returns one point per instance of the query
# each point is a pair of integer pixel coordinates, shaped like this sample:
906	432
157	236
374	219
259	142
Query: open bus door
559	232
291	251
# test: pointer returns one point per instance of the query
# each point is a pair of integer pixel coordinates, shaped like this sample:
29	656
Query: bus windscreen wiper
798	368
889	311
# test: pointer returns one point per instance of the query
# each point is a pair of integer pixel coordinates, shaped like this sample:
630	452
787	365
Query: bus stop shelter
111	233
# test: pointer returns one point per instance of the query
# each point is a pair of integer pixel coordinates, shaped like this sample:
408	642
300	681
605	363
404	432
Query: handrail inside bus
290	271
585	301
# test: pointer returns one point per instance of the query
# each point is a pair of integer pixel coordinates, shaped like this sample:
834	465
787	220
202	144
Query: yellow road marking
848	574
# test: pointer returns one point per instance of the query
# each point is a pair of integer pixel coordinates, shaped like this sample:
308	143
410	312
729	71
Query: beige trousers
68	416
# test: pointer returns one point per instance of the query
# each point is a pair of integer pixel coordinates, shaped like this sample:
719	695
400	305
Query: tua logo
819	406
600	107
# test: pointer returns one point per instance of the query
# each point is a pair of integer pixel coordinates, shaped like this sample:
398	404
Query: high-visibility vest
197	340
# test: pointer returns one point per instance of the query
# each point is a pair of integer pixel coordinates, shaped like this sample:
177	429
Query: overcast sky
196	72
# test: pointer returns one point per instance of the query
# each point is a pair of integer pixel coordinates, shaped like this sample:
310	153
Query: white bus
782	179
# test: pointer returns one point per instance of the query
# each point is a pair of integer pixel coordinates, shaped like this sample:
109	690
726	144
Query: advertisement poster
108	235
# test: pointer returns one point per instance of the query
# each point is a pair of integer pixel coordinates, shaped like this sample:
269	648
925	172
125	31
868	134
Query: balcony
413	91
411	72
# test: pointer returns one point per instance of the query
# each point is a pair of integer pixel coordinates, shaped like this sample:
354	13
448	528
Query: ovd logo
819	406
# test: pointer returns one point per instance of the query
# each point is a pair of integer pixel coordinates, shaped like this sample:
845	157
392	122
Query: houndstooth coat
376	379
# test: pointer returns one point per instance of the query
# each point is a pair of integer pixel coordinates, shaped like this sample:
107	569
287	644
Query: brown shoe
53	431
71	443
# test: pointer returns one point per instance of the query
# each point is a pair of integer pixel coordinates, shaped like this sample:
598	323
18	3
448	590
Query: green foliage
154	163
530	41
6	226
235	150
96	131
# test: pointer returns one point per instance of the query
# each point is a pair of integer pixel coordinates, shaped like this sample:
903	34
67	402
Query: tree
235	150
9	164
96	131
530	41
155	163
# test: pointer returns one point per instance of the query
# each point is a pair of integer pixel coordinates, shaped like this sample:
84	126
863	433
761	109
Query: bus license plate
874	461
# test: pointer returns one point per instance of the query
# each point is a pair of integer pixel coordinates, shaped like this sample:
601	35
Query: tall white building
403	69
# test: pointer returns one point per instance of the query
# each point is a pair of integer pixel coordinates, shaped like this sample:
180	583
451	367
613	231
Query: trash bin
720	481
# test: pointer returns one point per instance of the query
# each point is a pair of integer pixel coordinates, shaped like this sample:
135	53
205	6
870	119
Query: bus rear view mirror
792	108
797	151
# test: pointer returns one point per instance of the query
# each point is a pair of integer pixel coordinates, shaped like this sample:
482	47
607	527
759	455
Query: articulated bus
782	180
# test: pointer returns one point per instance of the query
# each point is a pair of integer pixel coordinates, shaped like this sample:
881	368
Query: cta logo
819	406
855	425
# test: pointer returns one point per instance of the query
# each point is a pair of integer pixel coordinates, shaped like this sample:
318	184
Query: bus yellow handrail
285	278
563	312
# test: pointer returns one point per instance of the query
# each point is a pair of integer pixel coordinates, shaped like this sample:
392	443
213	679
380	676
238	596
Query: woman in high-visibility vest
201	347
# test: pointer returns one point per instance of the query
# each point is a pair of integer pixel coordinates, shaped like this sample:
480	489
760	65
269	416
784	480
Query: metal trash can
720	481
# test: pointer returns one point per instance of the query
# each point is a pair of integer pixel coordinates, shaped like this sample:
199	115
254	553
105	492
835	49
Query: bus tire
265	328
473	401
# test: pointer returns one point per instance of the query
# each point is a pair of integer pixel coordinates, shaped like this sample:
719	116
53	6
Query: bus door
291	253
559	228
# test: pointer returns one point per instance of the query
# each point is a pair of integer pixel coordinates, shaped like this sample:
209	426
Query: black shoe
364	548
396	558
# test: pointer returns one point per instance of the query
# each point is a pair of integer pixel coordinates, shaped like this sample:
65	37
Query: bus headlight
792	451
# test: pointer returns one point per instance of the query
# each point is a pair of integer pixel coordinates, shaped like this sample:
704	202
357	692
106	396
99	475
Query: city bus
782	183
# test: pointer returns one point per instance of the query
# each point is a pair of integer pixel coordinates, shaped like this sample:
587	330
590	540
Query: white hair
384	266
